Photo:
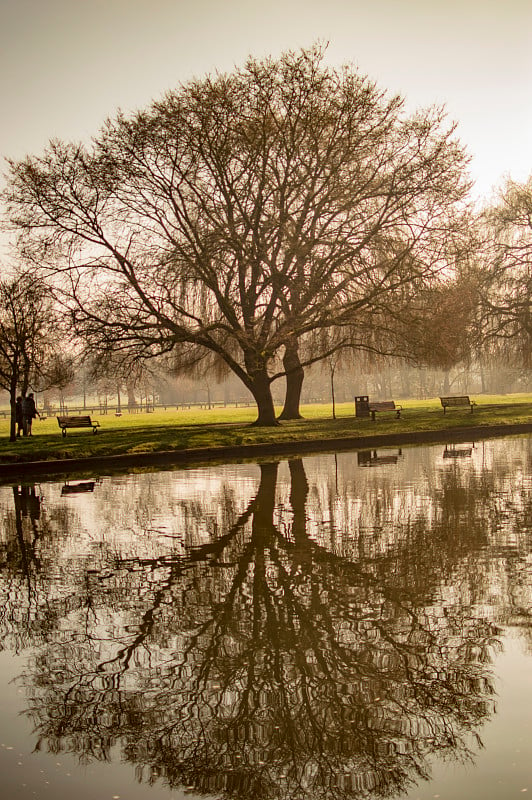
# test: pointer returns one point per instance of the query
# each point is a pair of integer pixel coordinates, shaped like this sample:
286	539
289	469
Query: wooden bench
372	458
385	405
451	451
459	401
77	422
74	488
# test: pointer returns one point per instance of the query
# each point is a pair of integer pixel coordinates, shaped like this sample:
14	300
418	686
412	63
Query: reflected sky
329	627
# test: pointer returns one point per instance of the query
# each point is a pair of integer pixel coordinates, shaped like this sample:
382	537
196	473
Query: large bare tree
242	212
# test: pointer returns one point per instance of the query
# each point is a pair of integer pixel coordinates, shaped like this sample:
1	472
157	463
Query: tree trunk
263	516
131	402
294	382
483	388
17	490
12	406
299	489
260	388
332	393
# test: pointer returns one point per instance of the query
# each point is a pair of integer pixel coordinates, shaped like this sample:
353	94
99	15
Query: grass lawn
217	427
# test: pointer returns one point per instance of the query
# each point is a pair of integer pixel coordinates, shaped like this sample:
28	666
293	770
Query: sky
67	65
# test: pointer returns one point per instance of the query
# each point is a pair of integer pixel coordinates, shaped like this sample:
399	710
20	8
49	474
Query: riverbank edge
208	455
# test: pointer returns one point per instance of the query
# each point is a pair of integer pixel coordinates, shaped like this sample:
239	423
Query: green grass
218	427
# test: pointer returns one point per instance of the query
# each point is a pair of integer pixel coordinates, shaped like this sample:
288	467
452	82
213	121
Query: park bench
76	488
77	422
459	401
372	458
384	405
451	451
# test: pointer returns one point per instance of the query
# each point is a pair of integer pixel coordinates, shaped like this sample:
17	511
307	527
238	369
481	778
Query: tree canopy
242	212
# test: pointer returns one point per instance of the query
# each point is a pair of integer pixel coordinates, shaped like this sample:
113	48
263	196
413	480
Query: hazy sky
66	65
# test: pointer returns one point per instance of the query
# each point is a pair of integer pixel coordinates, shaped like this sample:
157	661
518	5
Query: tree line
258	222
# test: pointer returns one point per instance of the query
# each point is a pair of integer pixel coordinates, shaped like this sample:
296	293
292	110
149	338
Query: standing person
29	412
19	419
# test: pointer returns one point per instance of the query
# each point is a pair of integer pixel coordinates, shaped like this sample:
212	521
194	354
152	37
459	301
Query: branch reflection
263	664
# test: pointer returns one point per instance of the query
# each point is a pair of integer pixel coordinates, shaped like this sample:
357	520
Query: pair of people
25	412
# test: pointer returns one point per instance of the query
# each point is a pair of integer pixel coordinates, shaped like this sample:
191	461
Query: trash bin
362	406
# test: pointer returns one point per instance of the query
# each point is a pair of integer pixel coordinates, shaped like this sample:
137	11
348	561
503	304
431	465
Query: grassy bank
136	434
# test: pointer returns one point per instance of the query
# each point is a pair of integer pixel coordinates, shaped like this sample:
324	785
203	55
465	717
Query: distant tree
439	328
242	212
507	296
30	353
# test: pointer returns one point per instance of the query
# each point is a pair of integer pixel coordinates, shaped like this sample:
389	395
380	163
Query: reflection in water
79	486
293	633
373	458
458	451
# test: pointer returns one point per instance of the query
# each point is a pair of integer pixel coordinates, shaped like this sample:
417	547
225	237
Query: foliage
438	328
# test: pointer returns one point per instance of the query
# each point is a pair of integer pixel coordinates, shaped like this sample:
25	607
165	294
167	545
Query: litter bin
362	406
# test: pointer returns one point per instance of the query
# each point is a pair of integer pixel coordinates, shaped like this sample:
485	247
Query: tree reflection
262	665
23	585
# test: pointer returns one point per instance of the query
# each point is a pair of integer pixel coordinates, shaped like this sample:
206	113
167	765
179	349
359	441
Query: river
335	626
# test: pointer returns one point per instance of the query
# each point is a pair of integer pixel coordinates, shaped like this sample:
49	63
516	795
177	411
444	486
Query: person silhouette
29	412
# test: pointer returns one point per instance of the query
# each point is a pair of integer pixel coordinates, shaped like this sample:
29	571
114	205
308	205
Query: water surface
349	625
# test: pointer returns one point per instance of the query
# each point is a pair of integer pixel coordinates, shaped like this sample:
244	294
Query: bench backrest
74	422
384	405
461	400
465	453
84	486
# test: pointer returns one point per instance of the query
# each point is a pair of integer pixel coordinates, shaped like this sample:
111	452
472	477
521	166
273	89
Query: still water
339	626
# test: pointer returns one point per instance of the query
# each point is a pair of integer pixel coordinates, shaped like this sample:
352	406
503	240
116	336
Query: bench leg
398	415
373	416
63	431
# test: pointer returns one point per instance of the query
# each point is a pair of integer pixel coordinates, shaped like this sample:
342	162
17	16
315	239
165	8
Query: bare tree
242	212
30	352
507	296
439	326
